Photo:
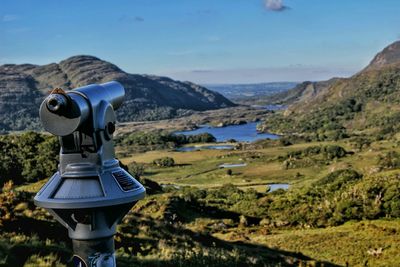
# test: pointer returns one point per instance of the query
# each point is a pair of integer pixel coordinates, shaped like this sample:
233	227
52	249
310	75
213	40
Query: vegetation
365	103
328	152
164	162
209	216
154	140
390	160
28	157
337	198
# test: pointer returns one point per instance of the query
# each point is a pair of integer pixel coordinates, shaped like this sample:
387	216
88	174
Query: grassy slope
367	102
352	243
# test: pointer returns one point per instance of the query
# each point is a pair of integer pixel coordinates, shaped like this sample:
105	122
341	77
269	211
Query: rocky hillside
22	88
301	92
389	55
367	102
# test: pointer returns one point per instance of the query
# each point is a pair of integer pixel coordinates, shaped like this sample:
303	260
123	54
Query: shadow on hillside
189	211
184	238
177	238
42	229
20	253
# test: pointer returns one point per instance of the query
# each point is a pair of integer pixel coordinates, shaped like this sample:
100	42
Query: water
274	187
197	148
270	107
227	165
242	133
170	185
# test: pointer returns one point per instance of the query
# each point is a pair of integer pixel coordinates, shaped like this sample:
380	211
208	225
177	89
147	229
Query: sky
204	41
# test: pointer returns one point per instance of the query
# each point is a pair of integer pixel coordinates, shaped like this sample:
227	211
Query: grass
33	187
365	243
200	168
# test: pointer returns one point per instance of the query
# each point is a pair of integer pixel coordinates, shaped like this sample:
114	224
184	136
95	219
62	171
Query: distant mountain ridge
366	102
306	91
251	92
301	92
23	87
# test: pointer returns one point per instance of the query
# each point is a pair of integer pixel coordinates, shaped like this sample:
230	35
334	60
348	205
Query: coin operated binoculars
90	193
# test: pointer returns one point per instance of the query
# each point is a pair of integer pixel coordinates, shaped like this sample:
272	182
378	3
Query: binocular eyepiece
56	103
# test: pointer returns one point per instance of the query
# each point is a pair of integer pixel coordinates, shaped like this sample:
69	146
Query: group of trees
161	139
312	155
27	157
326	124
327	152
340	196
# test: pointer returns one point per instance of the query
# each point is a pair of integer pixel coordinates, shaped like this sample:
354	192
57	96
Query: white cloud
275	5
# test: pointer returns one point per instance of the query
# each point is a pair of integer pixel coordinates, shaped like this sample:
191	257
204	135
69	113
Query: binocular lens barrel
62	113
112	92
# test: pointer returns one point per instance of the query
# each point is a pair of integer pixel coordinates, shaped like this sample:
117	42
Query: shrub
328	152
334	151
136	169
164	162
337	178
390	160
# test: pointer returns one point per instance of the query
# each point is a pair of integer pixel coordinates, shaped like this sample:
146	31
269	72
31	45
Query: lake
270	107
274	187
197	148
232	165
241	133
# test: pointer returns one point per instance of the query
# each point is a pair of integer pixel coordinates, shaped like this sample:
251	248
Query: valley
316	184
234	217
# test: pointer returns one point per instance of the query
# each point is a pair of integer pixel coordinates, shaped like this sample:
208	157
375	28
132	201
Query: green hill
366	103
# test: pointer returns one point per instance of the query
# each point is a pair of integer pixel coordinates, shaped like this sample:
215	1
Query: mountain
250	91
389	55
23	87
301	92
366	103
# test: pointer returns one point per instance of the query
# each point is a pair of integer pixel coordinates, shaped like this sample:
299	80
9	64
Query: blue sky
205	41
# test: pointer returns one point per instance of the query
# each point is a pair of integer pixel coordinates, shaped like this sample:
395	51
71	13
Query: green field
200	168
342	208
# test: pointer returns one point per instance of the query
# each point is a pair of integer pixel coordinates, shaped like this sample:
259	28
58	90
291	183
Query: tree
164	162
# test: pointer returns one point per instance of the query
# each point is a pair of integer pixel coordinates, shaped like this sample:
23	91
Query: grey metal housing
90	193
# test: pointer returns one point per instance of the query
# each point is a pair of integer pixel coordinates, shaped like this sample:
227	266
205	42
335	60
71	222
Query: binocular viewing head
62	112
